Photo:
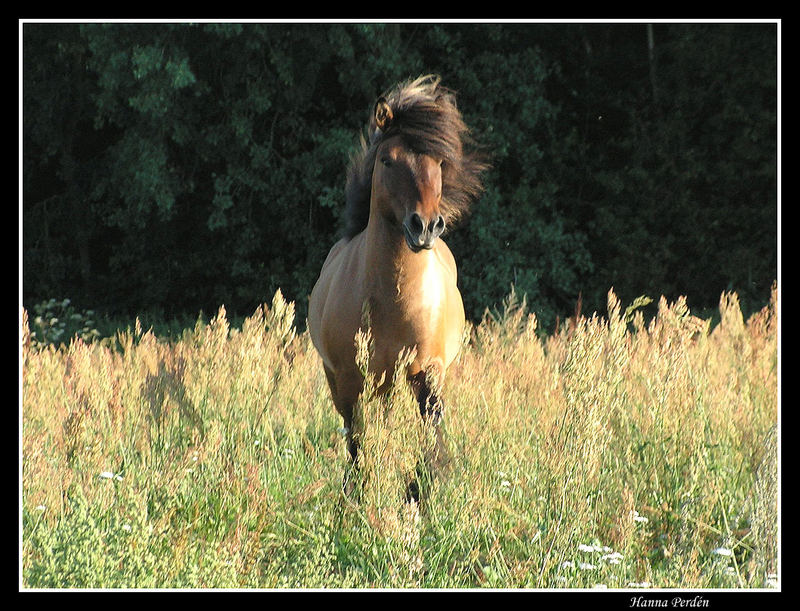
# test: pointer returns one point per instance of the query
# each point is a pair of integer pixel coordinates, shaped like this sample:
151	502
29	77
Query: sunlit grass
613	454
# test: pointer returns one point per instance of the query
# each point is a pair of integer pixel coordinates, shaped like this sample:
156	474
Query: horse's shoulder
335	254
334	251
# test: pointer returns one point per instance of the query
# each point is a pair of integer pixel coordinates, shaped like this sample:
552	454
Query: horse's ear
383	114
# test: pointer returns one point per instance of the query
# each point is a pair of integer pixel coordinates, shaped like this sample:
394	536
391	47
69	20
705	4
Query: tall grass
613	453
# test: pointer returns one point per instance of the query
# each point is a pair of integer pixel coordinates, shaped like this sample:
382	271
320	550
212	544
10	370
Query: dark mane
425	114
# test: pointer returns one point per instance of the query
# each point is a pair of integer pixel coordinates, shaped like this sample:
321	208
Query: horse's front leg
345	390
431	407
426	386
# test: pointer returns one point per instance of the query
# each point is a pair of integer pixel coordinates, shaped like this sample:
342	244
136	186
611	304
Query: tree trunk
651	56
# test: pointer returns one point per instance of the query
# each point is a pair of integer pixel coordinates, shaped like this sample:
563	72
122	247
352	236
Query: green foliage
676	180
177	167
57	322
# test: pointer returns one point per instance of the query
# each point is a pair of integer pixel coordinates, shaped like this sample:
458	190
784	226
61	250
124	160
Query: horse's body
392	271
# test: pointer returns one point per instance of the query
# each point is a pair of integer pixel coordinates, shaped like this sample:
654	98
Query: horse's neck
389	262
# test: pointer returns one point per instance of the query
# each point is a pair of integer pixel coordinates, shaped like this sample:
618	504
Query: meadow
614	453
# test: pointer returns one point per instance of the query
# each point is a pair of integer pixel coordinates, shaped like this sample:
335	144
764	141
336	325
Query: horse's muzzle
421	235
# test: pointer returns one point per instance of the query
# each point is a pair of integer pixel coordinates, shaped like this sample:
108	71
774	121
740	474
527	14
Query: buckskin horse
411	179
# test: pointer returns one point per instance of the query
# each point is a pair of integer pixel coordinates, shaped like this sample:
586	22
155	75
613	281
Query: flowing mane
426	116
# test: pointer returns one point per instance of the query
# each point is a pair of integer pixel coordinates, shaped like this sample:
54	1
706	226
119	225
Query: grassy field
613	454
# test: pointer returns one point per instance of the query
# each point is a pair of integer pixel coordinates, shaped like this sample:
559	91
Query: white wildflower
722	551
613	558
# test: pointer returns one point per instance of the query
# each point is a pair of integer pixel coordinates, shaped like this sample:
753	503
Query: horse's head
412	167
407	186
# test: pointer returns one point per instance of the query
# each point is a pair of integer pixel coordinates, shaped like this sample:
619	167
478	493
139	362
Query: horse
411	179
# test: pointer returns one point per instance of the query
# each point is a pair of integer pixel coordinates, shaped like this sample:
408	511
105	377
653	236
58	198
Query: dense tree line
177	167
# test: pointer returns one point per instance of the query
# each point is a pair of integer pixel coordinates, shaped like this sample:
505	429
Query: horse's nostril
438	227
416	223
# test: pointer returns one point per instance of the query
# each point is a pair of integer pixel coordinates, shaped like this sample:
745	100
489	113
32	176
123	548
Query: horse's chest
418	297
425	293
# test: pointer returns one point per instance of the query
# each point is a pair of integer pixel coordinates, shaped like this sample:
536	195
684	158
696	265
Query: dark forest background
172	168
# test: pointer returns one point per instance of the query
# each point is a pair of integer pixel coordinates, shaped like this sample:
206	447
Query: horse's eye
387	161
